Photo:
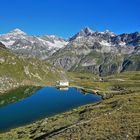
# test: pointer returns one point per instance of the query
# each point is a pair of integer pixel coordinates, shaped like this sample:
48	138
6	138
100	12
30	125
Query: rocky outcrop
2	46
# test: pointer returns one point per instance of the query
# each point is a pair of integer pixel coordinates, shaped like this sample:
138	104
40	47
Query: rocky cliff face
2	46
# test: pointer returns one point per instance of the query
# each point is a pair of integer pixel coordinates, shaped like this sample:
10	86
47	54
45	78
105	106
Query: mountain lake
44	103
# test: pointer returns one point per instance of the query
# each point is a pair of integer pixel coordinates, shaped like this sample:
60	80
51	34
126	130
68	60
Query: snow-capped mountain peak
10	38
17	32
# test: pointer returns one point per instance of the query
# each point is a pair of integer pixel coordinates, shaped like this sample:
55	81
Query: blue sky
66	17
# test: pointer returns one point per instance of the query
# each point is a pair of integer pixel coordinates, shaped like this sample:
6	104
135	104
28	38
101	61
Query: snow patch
105	43
8	43
122	43
56	44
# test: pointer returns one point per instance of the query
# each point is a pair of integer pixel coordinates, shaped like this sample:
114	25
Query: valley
101	63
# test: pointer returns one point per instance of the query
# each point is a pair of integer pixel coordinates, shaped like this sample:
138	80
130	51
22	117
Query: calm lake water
44	103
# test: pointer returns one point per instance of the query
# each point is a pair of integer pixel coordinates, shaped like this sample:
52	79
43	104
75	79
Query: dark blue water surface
44	103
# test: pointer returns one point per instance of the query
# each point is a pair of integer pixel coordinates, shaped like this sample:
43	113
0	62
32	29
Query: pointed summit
85	32
17	32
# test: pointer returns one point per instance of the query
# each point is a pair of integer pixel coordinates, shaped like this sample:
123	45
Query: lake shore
101	114
117	116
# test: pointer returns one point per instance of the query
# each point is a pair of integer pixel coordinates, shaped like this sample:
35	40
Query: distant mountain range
32	46
87	51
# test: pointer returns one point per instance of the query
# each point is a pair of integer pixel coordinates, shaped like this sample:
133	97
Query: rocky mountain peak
87	30
83	33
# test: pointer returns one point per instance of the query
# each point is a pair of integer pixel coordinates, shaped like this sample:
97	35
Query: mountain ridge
102	53
32	46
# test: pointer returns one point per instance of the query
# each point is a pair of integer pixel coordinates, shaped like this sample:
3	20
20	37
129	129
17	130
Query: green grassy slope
107	86
16	71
